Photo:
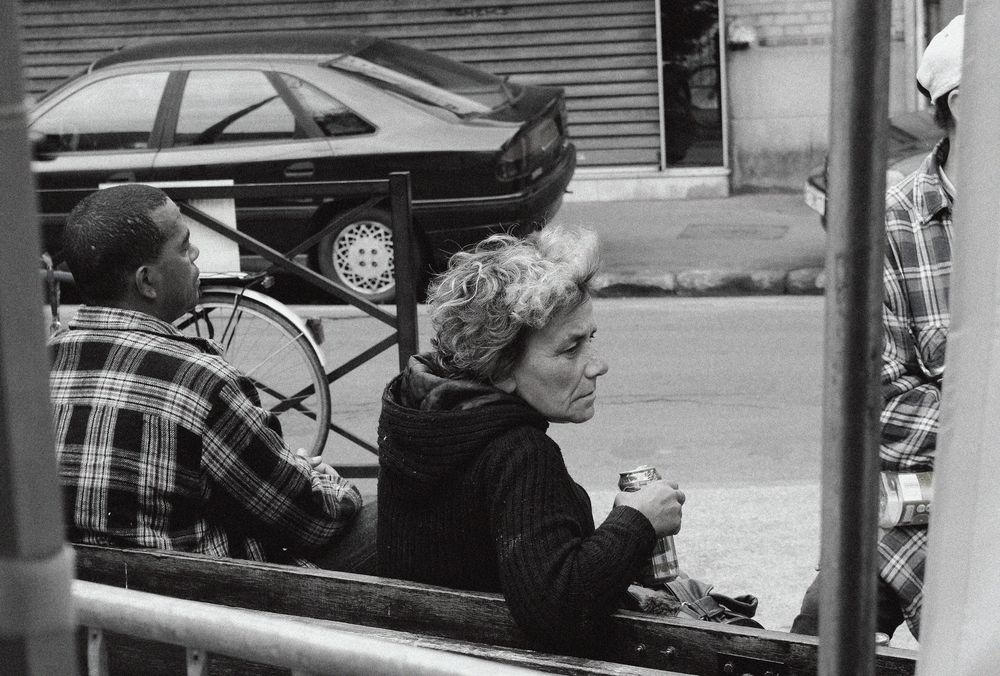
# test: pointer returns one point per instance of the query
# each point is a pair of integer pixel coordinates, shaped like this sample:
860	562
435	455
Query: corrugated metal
603	53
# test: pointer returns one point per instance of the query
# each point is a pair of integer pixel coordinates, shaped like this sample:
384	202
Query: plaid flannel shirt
161	443
916	275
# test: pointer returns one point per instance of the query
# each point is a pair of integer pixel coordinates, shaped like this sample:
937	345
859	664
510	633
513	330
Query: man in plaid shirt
915	320
162	443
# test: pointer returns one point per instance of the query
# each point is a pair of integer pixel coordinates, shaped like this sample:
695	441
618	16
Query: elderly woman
472	492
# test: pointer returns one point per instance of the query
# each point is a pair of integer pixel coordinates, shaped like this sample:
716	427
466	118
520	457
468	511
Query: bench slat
639	640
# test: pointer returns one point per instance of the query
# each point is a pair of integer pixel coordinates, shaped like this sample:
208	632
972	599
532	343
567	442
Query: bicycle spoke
269	348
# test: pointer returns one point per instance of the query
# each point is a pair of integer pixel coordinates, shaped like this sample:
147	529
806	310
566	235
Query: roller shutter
603	53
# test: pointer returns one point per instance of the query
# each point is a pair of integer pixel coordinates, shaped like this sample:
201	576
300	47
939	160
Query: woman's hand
660	502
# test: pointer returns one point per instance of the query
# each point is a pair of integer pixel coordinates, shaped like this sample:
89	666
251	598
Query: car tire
359	256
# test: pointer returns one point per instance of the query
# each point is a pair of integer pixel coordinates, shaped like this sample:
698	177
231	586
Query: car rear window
333	117
427	77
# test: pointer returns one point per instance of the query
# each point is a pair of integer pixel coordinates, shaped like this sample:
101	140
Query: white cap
940	68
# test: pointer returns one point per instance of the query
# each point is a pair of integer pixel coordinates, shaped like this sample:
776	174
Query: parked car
484	154
911	137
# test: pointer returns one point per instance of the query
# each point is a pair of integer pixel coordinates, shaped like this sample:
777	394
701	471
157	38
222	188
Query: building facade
666	98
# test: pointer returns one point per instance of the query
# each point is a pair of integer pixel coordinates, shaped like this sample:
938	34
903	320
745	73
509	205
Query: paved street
722	394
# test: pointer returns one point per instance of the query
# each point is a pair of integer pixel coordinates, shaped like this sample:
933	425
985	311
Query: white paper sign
218	253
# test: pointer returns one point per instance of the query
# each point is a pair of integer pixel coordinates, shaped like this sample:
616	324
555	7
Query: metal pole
404	245
280	640
36	620
961	585
852	398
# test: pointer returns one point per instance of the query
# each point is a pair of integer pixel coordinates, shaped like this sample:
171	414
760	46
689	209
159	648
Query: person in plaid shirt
915	319
161	443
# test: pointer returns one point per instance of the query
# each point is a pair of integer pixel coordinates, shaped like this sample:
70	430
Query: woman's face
557	371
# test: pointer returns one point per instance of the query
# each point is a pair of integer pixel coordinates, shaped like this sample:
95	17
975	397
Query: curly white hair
483	305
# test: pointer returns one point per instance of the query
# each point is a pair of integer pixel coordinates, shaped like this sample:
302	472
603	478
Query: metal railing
395	190
305	647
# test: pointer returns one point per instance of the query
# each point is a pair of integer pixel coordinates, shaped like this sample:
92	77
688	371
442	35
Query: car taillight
522	154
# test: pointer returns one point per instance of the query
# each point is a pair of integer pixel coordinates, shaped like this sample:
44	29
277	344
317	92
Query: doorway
692	103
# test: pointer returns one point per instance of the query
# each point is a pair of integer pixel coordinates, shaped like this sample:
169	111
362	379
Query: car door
100	130
234	123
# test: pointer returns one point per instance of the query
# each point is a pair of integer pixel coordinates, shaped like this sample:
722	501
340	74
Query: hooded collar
432	426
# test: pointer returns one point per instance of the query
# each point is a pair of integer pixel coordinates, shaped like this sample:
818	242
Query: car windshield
427	78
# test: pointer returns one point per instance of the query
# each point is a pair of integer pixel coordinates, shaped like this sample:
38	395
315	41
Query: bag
690	598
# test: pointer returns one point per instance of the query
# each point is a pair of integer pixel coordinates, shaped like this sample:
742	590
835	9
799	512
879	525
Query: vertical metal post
36	621
961	586
724	84
851	396
404	246
658	9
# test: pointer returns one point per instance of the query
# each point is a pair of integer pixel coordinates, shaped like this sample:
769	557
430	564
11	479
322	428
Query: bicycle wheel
705	95
272	351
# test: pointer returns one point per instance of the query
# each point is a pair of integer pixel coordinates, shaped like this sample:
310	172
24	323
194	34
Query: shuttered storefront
602	52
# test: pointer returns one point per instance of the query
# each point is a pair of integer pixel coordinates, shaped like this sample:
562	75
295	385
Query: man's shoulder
163	355
915	201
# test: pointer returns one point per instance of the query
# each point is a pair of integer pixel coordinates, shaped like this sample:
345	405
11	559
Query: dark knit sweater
473	494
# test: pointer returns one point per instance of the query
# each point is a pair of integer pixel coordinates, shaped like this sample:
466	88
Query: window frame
156	133
279	83
302	118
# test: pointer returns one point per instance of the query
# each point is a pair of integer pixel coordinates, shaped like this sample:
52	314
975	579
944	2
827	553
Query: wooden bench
474	623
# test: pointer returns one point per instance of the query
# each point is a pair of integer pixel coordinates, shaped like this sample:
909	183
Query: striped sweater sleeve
561	577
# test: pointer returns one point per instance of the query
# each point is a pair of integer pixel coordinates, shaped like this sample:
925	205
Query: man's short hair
108	236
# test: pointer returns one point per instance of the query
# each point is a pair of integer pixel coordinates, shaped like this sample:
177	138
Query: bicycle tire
706	95
271	350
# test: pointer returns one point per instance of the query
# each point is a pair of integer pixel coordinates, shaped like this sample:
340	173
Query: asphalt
759	243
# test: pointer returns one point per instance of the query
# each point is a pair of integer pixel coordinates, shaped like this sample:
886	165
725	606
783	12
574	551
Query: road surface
724	395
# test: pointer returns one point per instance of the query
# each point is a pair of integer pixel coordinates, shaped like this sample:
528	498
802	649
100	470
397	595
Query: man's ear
953	103
508	384
145	280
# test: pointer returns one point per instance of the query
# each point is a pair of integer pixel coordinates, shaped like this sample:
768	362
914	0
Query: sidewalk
754	243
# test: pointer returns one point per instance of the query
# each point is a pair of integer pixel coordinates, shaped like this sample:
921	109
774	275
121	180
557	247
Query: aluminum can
904	498
662	566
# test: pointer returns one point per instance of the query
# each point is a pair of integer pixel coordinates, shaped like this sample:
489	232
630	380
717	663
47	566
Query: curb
710	282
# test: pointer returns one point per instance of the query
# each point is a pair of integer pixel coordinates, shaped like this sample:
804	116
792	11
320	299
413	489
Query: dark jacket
473	494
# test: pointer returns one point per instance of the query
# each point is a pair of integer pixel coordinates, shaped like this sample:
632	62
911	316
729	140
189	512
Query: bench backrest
672	644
